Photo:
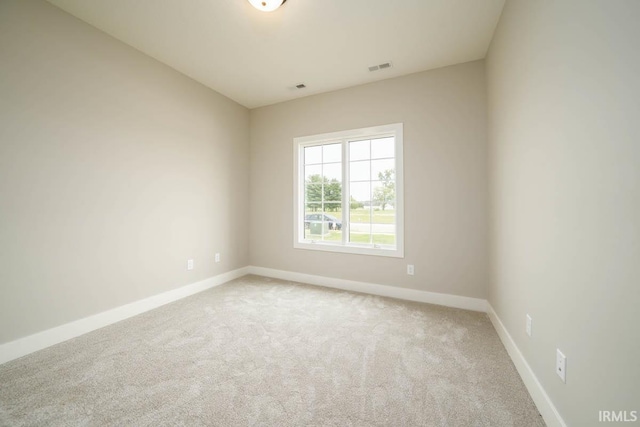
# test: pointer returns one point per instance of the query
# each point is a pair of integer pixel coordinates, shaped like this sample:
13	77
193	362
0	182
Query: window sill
350	249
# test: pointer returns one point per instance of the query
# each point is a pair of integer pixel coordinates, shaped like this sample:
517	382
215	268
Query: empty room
319	213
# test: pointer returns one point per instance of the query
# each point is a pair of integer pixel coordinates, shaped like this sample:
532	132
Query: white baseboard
29	344
546	407
475	304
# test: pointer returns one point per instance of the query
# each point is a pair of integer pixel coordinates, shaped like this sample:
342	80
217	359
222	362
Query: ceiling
257	58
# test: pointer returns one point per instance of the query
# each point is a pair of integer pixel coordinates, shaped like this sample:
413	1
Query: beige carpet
262	352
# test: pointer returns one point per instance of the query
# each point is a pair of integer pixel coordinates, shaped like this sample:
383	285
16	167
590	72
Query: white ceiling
255	58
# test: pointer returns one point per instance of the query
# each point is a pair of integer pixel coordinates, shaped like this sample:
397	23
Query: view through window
349	193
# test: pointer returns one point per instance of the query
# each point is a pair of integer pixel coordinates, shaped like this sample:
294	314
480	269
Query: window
348	191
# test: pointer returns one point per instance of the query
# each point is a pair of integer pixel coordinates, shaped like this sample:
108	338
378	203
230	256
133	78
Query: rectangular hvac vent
380	66
301	86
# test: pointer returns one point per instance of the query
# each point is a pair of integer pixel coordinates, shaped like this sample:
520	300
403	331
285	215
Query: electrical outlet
410	270
189	264
561	365
217	257
529	325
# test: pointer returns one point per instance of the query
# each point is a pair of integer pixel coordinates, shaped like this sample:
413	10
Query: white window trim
396	130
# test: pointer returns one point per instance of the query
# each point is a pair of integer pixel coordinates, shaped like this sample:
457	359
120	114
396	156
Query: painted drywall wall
114	170
563	104
445	176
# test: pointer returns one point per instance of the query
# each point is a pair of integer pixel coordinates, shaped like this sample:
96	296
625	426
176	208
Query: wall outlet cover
561	365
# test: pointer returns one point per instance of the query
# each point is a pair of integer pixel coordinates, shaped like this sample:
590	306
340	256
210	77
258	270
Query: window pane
384	239
383	227
359	150
332	208
360	215
333	236
332	192
324	225
333	215
383	194
312	209
332	171
383	147
314	226
312	216
384	167
312	155
360	193
313	173
386	216
313	193
359	233
332	218
331	153
360	171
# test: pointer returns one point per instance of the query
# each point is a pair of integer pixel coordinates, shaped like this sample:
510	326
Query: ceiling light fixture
267	5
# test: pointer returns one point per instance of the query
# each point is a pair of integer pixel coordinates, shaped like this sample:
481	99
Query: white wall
444	116
114	169
564	110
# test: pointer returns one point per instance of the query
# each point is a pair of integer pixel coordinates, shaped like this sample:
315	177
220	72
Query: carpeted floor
262	352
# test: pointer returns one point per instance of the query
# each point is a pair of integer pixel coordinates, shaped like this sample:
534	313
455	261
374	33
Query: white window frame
344	137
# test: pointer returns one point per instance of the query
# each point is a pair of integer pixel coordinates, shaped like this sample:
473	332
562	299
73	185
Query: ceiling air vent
381	66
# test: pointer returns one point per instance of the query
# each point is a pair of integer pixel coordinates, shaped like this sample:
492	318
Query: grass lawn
362	215
336	236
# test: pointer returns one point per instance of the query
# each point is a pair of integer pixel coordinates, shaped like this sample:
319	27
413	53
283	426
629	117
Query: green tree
387	192
332	195
317	187
355	204
313	192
